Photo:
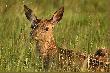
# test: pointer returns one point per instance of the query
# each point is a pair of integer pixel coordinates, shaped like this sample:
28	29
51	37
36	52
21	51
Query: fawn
98	62
42	33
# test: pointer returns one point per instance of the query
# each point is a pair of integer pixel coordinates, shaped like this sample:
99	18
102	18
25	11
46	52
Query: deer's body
42	33
98	62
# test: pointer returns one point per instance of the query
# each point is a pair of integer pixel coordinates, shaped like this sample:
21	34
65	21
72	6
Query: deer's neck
47	47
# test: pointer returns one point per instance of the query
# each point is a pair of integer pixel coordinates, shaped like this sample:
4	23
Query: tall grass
84	27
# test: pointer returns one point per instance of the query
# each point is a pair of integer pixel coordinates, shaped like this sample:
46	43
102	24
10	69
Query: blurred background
84	27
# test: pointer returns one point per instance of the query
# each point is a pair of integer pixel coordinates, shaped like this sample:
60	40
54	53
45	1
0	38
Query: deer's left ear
57	15
29	14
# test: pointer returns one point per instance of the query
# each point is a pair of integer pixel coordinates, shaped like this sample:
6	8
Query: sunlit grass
84	27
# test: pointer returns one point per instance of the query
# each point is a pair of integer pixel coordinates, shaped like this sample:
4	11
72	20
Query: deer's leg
62	56
71	62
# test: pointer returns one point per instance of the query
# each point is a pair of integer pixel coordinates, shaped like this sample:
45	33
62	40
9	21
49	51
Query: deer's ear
57	16
29	14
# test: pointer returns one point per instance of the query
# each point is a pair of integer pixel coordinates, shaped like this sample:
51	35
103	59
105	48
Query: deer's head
42	28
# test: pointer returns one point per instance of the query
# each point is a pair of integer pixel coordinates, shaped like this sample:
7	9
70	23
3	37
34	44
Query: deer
98	62
49	53
42	33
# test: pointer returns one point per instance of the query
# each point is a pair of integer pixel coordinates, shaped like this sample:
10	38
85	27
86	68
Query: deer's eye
47	28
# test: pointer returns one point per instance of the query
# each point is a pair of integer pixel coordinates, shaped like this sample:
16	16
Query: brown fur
98	62
42	33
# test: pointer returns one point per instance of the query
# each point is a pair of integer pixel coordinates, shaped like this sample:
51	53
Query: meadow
84	27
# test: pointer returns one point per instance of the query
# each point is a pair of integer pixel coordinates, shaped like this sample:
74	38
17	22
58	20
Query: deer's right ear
57	16
29	14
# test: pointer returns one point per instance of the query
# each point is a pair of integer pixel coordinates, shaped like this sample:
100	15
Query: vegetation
84	27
